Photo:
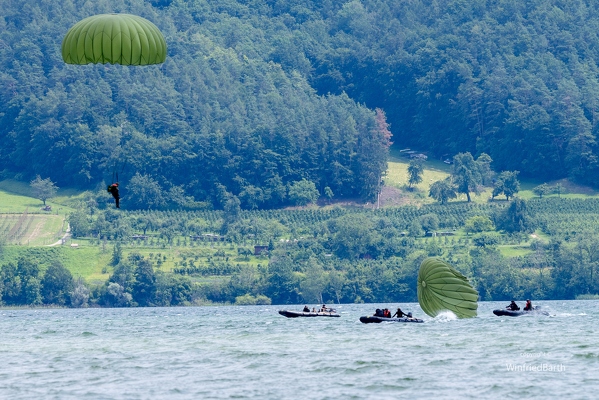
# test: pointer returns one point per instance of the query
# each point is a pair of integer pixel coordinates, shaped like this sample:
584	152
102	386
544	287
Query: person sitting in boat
324	308
399	313
314	309
387	313
528	306
306	309
379	313
513	306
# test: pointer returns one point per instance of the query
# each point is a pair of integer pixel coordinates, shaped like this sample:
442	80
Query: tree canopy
221	115
255	95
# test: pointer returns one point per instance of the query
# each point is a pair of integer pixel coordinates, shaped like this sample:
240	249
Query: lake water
252	352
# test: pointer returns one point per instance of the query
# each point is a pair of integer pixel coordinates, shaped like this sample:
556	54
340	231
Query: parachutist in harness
114	190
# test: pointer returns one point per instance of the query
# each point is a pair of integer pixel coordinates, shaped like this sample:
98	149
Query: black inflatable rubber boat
296	314
509	313
377	320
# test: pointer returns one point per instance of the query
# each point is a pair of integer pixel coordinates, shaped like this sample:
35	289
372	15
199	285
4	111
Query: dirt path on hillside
63	239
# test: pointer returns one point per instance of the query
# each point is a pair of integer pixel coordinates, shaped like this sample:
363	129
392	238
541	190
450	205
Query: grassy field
435	170
514	250
397	176
16	197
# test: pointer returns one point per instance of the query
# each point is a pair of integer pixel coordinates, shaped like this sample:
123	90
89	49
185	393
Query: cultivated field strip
28	229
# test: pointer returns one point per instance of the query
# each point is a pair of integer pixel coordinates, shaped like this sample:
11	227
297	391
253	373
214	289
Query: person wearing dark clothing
528	306
399	313
306	309
513	306
379	313
114	190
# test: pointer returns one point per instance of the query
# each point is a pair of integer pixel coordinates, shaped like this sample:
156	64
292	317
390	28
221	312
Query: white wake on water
445	316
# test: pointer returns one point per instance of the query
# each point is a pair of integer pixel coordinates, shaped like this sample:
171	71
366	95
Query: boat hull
377	320
298	314
510	313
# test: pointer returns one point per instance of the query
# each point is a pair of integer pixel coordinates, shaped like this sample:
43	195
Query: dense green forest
258	95
210	122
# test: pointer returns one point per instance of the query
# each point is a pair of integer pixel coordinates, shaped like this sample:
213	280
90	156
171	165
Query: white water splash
445	316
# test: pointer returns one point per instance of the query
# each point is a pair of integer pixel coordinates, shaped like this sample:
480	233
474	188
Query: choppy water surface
252	352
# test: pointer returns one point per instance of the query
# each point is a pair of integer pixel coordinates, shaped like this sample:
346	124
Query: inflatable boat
296	314
510	313
377	320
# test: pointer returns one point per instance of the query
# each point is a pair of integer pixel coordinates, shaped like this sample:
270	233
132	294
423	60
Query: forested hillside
517	80
257	95
212	121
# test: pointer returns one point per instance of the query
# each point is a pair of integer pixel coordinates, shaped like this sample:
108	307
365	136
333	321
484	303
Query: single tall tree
43	189
466	174
506	183
442	191
511	185
541	190
415	170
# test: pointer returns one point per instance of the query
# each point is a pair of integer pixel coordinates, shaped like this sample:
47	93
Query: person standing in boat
399	313
528	306
513	306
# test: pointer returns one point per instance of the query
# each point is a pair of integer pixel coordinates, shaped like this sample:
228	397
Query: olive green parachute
114	38
440	287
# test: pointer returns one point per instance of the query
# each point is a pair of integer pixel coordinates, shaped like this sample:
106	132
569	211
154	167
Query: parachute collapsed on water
116	39
441	287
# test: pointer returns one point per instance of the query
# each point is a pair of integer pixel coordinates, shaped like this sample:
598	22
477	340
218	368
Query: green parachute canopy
440	288
114	38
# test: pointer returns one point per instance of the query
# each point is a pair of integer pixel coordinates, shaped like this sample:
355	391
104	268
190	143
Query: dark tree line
516	80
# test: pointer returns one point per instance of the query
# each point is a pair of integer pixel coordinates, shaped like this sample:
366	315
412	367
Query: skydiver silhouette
114	190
